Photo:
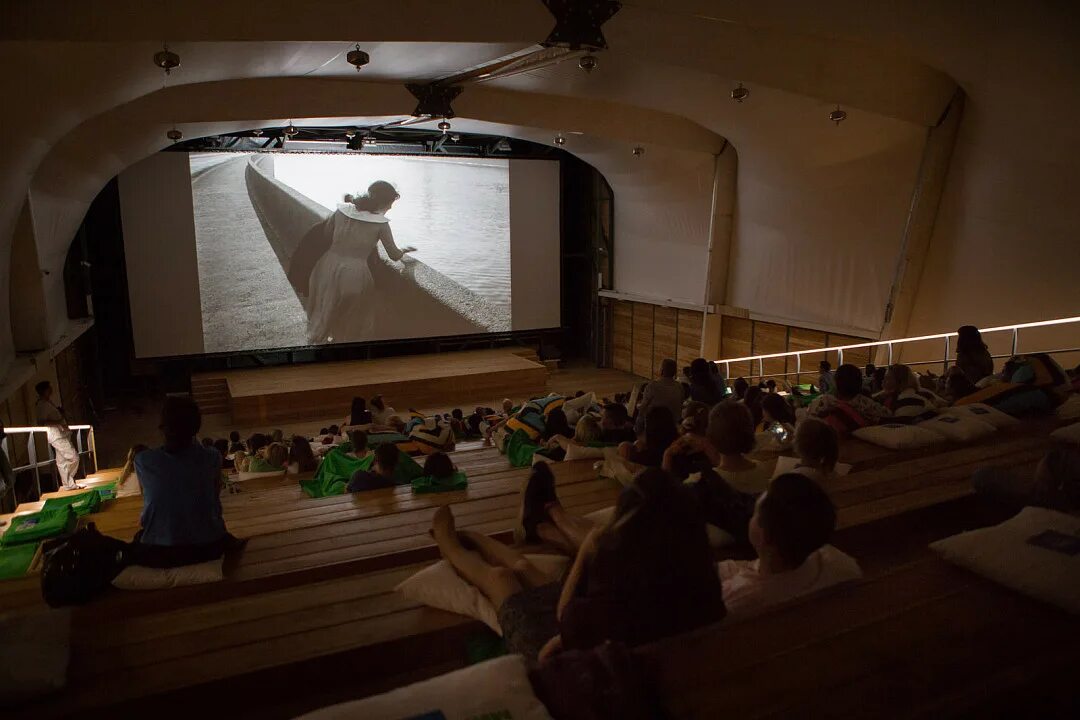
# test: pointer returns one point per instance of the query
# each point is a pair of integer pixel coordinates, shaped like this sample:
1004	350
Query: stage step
211	394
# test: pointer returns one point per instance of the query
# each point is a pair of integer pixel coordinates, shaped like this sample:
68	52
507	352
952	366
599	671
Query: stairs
211	394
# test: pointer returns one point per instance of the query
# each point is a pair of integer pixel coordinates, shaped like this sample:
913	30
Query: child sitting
818	448
381	474
580	447
439	466
277	456
359	441
792	522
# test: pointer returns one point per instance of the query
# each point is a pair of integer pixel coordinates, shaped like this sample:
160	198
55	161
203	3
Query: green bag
15	560
428	484
520	449
337	469
83	503
39	526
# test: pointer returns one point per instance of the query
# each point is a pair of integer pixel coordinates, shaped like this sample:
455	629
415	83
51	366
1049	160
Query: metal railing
944	359
84	445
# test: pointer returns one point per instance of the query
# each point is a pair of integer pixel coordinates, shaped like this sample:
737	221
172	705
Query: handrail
945	358
84	445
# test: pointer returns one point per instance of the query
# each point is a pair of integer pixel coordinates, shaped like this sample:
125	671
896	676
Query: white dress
342	299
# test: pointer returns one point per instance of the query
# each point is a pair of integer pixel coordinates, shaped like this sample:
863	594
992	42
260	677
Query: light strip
36	428
879	343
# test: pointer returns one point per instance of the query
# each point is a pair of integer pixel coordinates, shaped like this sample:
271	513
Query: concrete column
722	225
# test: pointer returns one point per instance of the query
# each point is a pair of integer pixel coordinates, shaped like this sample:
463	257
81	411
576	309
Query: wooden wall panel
689	338
803	339
641	355
665	335
737	340
770	338
622	335
858	357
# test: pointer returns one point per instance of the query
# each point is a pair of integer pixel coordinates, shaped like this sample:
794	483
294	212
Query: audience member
381	474
958	385
972	356
277	435
380	412
359	414
719	380
868	379
587	436
703	386
752	399
234	442
791	526
358	439
59	436
740	388
222	446
274	459
439	465
256	443
665	391
181	482
208	442
615	424
556	425
848	408
826	380
818	447
647	575
770	386
301	457
901	395
659	432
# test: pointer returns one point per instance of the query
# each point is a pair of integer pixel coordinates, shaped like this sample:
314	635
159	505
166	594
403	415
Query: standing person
662	392
59	435
972	356
703	387
341	289
826	379
182	522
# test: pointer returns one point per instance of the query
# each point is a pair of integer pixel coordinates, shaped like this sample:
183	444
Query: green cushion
337	469
428	484
15	559
520	449
83	503
39	526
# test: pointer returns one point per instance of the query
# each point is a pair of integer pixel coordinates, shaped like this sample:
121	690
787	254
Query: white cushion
958	427
984	413
439	586
1070	409
241	476
576	407
498	688
616	467
1003	554
1069	434
137	577
898	437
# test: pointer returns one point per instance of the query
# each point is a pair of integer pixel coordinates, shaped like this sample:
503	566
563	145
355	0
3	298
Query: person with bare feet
646	575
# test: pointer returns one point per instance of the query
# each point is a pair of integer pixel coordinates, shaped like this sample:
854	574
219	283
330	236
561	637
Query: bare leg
501	555
553	536
496	583
573	527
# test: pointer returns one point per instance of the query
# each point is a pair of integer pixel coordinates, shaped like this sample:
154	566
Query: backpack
79	567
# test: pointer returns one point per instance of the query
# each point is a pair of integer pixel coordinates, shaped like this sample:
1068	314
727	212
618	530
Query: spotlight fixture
740	93
455	138
350	134
444	125
291	130
559	140
638	152
358	58
367	140
257	132
838	116
166	59
174	135
578	23
588	63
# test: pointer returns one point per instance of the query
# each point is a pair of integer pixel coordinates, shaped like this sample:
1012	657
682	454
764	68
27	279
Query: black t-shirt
367	480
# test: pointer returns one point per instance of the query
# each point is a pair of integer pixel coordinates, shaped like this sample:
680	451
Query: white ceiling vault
82	101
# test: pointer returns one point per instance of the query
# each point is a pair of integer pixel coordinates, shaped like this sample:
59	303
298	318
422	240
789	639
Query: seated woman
902	397
128	482
439	466
222	446
660	432
703	385
972	356
275	459
241	461
777	424
555	424
848	409
818	448
181	519
358	440
583	445
381	474
301	457
957	385
380	411
647	575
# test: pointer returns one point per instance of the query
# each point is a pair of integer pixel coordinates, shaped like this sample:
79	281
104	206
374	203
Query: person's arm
387	237
584	555
689	444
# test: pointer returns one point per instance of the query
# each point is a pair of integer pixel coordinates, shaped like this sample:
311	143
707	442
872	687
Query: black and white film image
284	261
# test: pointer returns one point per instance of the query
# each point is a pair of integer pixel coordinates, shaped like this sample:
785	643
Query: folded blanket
429	484
39	526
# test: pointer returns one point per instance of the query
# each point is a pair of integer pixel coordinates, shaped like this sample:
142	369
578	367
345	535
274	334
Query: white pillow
1069	434
616	467
958	427
137	577
1070	409
498	688
897	436
1003	554
984	413
439	586
576	407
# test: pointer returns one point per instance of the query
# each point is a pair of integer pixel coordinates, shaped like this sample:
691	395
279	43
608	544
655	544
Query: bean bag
520	449
984	413
81	503
898	437
958	428
429	484
15	560
41	525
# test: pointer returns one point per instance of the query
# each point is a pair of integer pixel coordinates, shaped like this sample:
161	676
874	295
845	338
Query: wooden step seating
923	640
211	394
294	560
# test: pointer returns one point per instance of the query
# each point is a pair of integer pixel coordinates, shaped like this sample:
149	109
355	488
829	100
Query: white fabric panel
535	245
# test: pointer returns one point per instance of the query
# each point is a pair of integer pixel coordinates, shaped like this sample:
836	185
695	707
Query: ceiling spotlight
638	151
174	135
740	93
367	140
350	134
257	132
559	140
444	125
588	63
291	130
358	58
455	137
166	59
838	116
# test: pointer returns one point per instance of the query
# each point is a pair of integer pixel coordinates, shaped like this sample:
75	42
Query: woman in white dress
342	299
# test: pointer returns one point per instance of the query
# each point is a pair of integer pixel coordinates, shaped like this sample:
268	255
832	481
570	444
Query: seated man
615	425
381	474
182	523
848	409
792	523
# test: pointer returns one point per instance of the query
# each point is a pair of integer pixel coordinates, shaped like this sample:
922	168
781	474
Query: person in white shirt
791	526
59	435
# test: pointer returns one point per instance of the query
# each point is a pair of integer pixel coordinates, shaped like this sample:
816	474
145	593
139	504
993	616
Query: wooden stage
321	390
